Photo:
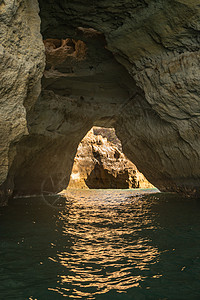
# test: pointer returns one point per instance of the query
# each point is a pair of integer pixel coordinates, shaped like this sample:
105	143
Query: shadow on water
109	244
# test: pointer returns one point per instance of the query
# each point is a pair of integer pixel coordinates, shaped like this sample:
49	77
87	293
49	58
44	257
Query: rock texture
21	68
76	94
138	73
100	164
158	44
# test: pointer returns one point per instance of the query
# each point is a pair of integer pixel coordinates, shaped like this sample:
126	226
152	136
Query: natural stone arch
71	102
158	43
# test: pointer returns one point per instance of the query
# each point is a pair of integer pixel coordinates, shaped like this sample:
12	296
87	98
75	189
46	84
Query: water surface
105	244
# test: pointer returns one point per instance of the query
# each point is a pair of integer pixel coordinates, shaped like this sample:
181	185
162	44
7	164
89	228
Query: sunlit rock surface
139	73
100	164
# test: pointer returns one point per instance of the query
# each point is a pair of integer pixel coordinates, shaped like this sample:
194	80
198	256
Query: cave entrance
83	85
100	164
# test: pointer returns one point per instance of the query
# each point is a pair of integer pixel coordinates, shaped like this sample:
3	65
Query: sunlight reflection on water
107	251
105	244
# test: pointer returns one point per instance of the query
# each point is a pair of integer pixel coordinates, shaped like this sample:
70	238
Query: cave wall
139	74
21	68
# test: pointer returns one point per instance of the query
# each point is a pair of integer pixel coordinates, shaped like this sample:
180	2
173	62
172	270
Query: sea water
103	244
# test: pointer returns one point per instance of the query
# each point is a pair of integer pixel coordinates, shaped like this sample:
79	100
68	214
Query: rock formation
139	74
21	68
100	164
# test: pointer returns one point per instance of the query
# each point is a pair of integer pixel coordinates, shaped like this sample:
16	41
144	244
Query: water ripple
107	251
103	245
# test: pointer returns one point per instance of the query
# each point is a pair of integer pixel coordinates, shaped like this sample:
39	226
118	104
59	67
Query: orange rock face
99	163
57	51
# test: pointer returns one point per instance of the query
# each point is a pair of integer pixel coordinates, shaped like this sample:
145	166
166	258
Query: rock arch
140	74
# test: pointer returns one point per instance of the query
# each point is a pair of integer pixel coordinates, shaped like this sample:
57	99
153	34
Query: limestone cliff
132	65
99	164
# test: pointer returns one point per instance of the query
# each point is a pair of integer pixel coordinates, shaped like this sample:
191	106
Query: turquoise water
105	244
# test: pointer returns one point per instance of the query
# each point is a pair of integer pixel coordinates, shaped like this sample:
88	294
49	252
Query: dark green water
103	245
